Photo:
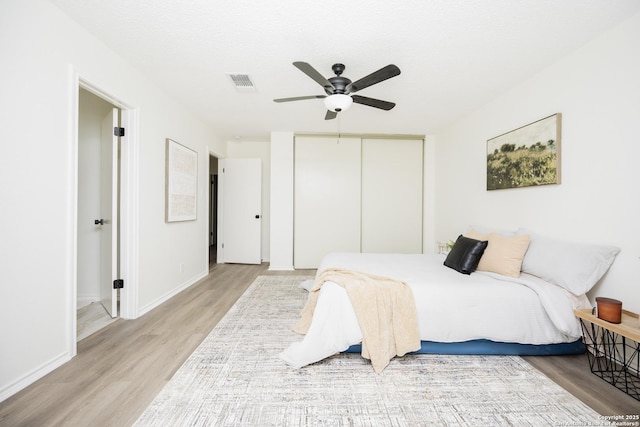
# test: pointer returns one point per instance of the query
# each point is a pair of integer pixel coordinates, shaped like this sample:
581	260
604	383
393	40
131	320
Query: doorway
213	211
97	213
128	227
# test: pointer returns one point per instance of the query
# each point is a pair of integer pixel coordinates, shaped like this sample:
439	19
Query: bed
518	297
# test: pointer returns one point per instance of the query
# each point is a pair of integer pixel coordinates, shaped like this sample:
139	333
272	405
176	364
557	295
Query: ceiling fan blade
371	102
299	98
313	73
381	75
330	115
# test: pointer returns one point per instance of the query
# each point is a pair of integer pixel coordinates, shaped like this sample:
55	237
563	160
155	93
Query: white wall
258	150
429	197
281	223
597	90
39	46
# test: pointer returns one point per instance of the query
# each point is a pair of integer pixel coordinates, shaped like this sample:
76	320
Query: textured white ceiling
455	55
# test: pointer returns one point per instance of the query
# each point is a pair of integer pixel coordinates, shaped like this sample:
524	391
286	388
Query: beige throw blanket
385	309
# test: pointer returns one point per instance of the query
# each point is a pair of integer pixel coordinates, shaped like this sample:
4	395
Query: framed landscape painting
525	157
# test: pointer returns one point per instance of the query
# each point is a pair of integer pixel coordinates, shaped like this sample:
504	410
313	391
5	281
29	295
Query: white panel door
326	198
109	213
392	195
241	210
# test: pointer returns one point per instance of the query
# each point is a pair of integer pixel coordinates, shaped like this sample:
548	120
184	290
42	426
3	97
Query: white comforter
451	307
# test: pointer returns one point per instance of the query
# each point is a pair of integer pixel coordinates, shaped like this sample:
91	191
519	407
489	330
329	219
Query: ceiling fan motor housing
339	84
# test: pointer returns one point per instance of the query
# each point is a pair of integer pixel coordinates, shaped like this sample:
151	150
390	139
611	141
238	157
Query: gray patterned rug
234	378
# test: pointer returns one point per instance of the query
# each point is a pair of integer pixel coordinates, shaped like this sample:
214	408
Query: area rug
234	378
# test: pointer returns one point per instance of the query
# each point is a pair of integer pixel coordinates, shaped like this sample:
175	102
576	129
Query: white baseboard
281	268
147	308
34	376
85	301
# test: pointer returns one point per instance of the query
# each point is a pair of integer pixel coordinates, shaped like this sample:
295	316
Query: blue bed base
487	347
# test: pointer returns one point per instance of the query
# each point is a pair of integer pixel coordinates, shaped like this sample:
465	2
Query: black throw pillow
465	254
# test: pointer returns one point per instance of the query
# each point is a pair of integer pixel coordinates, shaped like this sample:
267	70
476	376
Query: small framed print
181	182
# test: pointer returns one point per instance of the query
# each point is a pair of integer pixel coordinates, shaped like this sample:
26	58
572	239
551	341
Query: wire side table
613	349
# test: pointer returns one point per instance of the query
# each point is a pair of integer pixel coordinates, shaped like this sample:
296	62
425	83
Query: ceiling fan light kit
338	89
338	102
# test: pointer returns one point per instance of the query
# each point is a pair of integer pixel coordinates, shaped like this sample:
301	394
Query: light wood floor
120	369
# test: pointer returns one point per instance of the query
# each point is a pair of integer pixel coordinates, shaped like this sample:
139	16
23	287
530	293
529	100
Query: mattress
451	307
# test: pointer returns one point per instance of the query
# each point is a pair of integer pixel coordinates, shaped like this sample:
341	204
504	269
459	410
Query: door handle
257	216
99	222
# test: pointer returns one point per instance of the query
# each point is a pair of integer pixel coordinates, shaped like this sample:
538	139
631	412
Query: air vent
242	82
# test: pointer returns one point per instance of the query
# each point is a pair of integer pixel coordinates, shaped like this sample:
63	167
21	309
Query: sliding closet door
326	198
392	182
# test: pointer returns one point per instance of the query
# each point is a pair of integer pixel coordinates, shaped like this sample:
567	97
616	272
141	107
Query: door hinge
118	284
118	131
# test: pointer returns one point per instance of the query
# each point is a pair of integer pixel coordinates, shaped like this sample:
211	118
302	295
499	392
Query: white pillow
577	267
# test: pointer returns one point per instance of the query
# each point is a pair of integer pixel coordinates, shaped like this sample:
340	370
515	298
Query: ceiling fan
339	89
